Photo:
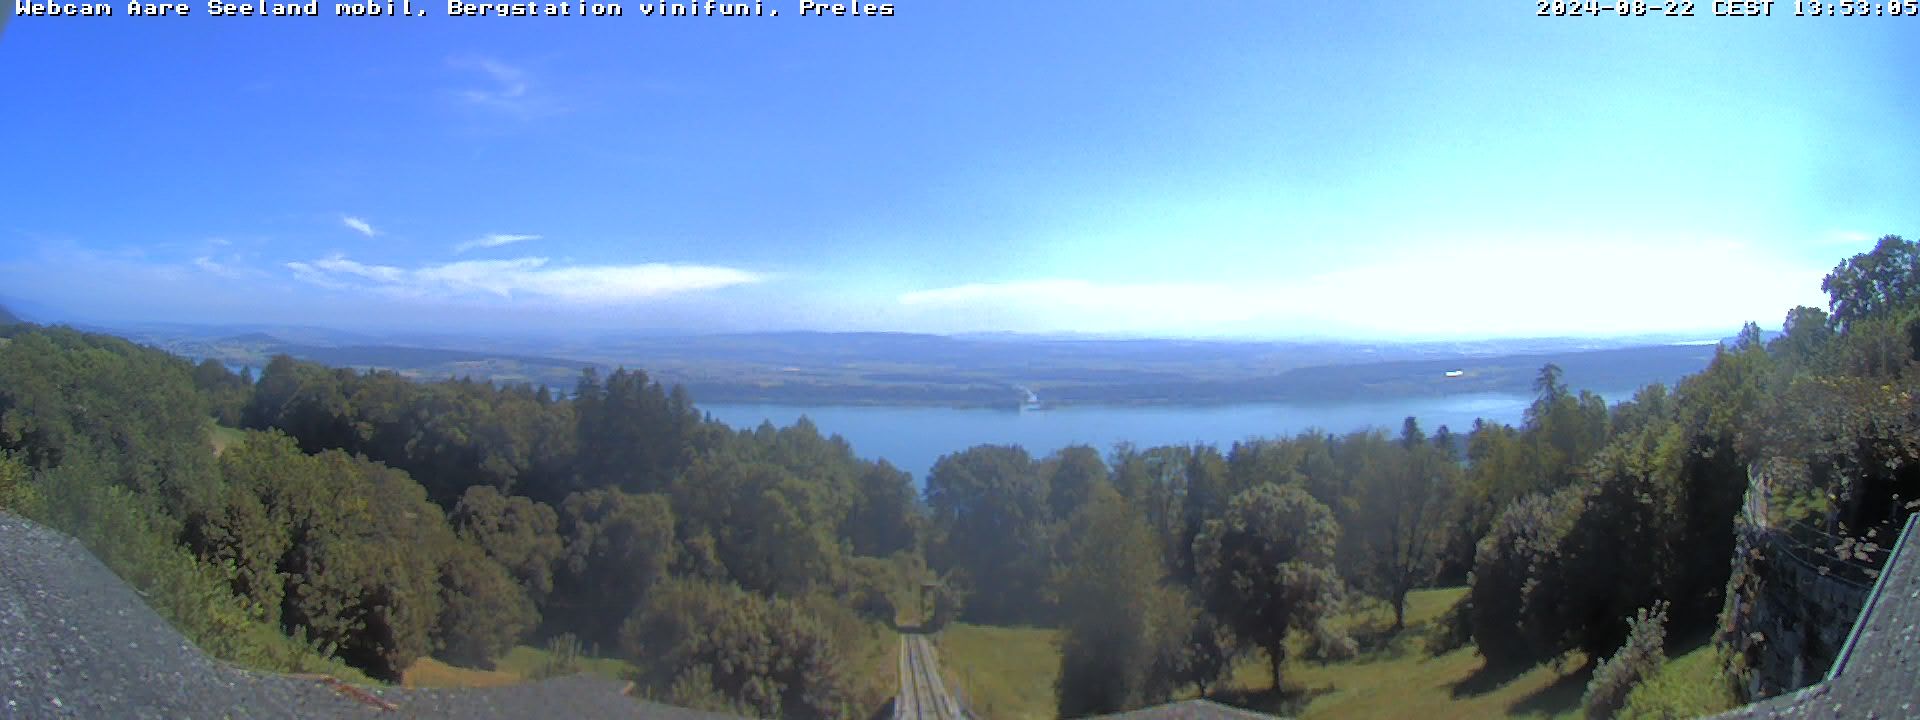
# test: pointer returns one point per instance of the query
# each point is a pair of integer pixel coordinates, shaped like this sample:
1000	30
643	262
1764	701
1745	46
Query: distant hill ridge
906	369
814	368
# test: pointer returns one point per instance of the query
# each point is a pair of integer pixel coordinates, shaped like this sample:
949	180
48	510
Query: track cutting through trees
923	694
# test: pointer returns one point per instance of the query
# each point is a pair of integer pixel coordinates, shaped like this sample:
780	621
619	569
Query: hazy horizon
38	313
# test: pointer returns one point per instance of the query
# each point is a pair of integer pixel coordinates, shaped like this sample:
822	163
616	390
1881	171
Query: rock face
1791	604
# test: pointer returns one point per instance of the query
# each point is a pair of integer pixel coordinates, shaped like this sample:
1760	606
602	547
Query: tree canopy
368	520
1265	566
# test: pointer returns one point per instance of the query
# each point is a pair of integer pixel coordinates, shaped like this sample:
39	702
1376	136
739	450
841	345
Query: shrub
1453	629
702	639
16	492
1521	595
483	612
563	658
1326	643
858	641
128	536
949	600
1200	654
694	689
1638	659
867	586
1689	686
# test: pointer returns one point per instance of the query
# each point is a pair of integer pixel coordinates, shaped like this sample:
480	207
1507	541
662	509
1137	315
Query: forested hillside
373	521
364	520
1565	529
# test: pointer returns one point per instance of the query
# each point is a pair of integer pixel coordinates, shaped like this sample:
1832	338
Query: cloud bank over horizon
1490	290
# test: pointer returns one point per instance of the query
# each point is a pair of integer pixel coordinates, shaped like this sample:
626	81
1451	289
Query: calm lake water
912	438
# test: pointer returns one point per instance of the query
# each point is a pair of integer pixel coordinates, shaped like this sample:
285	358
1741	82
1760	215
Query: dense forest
365	521
361	521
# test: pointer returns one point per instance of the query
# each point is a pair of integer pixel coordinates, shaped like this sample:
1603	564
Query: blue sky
1231	168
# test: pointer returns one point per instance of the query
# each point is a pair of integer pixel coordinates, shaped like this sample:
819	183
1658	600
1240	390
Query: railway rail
923	694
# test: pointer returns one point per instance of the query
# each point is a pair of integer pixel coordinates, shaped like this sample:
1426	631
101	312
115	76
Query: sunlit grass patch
876	661
430	673
1009	673
1000	672
1396	678
1448	686
1688	685
224	437
531	662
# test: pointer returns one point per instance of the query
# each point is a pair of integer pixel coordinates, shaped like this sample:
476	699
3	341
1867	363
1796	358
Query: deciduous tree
1265	567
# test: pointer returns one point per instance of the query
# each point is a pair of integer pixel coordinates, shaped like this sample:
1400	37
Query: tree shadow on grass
1288	702
1487	679
1380	641
1563	695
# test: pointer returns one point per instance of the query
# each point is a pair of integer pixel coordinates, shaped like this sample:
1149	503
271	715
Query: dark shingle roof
1189	710
1878	673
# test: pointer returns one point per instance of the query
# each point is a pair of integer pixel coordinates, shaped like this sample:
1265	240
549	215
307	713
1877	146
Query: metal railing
1831	555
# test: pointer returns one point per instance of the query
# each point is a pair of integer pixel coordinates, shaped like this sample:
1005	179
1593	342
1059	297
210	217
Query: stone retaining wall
1792	616
1797	621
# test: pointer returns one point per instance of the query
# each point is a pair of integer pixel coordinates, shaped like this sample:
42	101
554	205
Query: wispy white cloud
511	82
509	88
378	273
312	275
493	241
358	225
528	277
228	269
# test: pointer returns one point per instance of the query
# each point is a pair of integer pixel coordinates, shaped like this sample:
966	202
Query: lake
912	438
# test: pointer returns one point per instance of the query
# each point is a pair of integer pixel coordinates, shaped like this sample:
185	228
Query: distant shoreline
825	370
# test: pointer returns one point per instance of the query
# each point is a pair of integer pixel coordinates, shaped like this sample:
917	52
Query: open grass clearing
1003	673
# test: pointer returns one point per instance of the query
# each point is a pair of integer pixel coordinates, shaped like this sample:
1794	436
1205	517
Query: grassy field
1394	675
1002	673
872	655
1689	685
518	665
526	662
431	673
222	436
877	658
1009	673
